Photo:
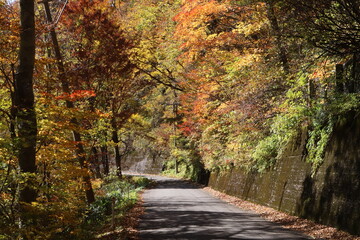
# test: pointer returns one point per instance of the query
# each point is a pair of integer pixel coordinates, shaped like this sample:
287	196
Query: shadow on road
177	184
179	210
209	225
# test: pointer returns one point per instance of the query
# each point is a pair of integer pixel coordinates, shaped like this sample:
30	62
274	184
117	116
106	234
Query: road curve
175	209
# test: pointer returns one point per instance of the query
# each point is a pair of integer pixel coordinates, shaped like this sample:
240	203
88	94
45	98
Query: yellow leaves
137	119
323	70
142	16
254	23
143	53
245	61
96	183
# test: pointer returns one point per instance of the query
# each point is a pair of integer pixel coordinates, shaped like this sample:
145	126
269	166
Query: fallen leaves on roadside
131	220
305	226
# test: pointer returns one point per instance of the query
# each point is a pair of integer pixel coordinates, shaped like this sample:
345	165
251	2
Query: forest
204	84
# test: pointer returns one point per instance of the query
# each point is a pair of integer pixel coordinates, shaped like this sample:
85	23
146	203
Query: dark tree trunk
95	155
96	162
115	139
12	125
26	117
339	78
13	108
105	160
80	151
278	36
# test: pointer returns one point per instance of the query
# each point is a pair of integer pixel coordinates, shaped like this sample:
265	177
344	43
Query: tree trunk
80	152
115	139
26	116
339	87
105	160
278	36
175	111
96	162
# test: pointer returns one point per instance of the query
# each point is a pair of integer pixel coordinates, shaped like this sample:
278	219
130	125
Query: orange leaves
198	10
9	34
76	95
207	26
193	20
230	84
186	128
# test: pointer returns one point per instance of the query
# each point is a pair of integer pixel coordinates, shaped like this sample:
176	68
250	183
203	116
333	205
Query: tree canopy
197	84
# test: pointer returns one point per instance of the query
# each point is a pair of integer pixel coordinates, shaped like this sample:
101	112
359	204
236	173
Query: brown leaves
291	222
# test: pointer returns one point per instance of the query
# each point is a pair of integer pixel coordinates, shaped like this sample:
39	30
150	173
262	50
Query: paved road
178	210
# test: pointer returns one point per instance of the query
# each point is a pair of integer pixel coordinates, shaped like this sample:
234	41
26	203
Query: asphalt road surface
175	209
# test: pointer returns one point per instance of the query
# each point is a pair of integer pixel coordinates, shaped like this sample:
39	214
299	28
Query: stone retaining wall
331	196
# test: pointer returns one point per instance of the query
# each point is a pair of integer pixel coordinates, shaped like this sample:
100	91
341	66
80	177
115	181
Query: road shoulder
307	227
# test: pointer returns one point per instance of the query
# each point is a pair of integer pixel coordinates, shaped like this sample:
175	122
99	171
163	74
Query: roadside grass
108	217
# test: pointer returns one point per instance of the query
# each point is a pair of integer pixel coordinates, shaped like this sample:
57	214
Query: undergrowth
115	198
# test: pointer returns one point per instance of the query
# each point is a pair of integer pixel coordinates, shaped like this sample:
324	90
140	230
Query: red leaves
186	128
99	45
76	95
82	94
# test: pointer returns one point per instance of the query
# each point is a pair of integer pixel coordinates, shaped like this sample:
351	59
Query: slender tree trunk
13	108
115	139
80	151
96	162
95	154
26	117
13	113
105	160
278	36
175	111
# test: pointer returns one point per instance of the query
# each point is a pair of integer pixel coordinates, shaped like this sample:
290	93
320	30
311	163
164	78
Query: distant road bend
178	210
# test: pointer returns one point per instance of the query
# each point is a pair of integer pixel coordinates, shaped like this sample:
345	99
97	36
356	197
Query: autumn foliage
198	84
